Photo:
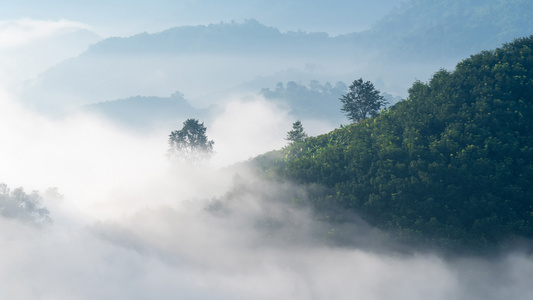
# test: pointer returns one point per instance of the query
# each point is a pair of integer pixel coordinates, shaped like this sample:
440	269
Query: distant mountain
223	38
146	113
422	30
409	43
197	60
335	16
315	101
33	55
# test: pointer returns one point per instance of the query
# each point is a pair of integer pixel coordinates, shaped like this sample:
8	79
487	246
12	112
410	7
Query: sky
36	35
127	224
123	18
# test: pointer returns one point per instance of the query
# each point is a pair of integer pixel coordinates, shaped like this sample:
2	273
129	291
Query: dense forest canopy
451	166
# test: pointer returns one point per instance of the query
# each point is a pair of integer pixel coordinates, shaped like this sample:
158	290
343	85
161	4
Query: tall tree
297	134
362	100
190	144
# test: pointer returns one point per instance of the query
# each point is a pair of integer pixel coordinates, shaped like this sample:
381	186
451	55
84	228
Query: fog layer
126	223
130	225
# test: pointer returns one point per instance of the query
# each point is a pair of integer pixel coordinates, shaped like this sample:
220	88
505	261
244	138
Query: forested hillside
233	38
451	166
426	30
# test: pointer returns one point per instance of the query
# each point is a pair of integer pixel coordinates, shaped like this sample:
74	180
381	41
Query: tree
24	207
362	101
190	144
451	166
297	134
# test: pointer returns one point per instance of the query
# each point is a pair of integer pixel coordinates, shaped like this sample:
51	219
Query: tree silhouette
362	101
190	144
297	134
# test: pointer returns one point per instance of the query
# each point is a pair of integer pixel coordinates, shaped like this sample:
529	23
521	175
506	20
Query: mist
128	223
29	47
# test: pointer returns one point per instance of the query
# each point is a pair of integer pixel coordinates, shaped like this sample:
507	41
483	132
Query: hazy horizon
122	18
127	223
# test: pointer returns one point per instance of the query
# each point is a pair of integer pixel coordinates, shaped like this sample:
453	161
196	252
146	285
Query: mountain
312	102
315	101
427	30
197	60
146	113
409	43
114	17
222	38
449	167
31	47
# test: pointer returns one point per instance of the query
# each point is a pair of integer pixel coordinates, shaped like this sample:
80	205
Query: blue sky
35	35
119	17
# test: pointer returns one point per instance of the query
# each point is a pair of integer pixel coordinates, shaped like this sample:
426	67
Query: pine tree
297	134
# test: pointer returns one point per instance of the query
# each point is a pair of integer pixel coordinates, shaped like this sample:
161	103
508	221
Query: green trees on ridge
450	166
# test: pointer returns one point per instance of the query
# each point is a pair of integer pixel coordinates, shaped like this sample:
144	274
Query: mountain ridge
449	167
205	59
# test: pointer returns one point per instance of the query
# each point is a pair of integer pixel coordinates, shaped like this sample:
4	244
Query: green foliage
297	134
190	144
362	101
451	166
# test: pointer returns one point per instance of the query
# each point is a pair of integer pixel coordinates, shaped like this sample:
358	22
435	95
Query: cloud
246	128
28	47
183	250
16	33
84	156
131	226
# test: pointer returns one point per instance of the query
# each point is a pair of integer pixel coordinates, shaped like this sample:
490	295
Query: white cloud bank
16	33
247	128
181	251
132	227
29	46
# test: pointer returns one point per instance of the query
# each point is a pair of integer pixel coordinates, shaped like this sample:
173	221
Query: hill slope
450	166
